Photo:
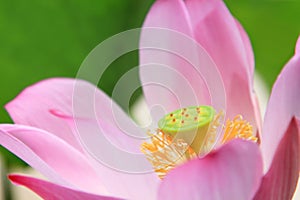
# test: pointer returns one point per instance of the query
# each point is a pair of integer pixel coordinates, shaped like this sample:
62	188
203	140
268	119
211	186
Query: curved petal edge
48	190
283	105
281	180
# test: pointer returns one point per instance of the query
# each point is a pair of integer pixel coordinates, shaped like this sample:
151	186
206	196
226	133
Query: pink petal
46	104
282	106
53	157
226	42
281	179
118	161
78	103
232	172
248	49
33	107
166	89
222	36
48	190
175	71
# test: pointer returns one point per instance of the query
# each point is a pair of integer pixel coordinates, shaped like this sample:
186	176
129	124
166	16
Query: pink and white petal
233	171
51	156
173	68
282	107
281	179
48	190
217	31
126	171
46	104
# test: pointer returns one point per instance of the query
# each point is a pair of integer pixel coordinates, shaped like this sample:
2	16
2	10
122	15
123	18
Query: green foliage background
42	38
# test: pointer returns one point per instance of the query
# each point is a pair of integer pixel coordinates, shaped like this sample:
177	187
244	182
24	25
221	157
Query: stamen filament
164	154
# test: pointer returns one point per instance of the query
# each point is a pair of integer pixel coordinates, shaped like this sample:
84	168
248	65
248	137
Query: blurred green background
42	38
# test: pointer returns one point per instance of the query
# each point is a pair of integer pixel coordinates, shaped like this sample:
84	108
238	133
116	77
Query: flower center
190	132
190	124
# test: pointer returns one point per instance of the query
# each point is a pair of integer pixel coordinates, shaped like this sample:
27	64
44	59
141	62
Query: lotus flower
248	160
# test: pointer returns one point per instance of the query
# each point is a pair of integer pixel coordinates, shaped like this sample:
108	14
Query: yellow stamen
165	154
238	128
167	149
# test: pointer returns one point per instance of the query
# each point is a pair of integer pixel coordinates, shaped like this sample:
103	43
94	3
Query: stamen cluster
166	151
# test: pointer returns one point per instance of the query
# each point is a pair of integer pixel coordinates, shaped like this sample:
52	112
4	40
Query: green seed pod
190	124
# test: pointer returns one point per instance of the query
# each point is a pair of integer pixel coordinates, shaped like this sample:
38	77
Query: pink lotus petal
248	49
56	103
217	31
175	71
45	104
281	179
48	190
222	36
53	157
232	172
126	171
34	105
163	73
282	106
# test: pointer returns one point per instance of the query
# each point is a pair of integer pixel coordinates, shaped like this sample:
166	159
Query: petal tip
14	178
